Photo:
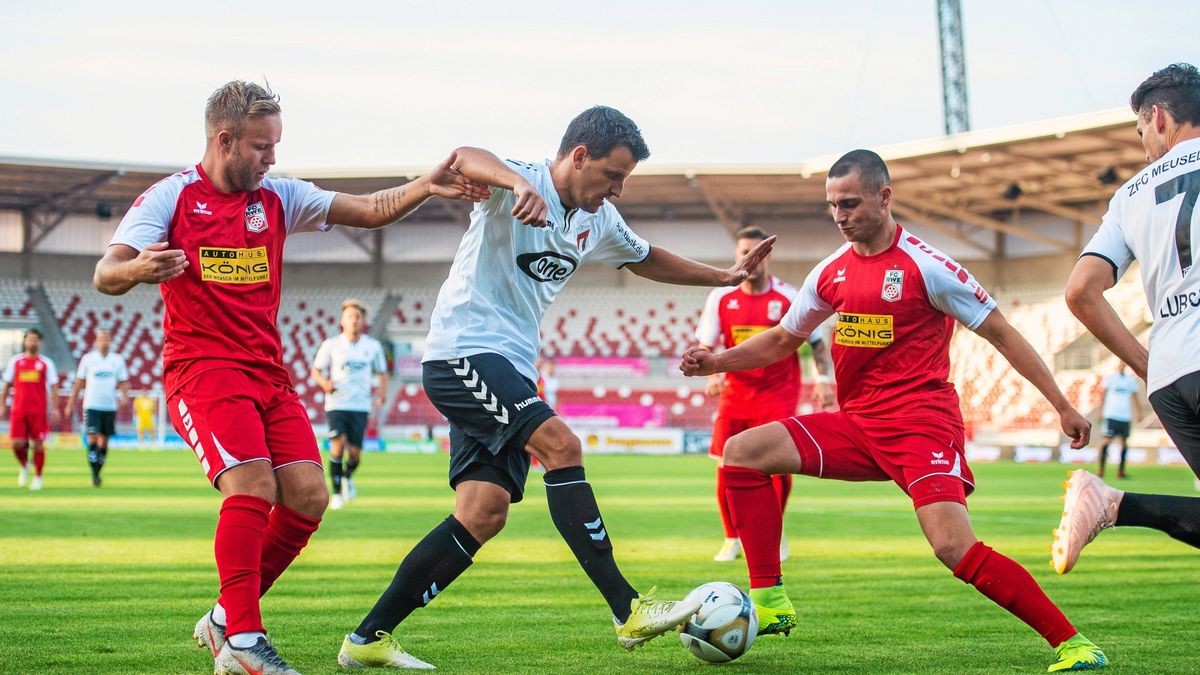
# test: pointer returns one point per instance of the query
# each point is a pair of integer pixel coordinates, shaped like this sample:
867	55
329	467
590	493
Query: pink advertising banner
585	366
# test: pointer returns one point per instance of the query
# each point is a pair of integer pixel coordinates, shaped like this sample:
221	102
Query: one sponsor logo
527	402
1178	304
256	217
732	304
202	209
234	265
873	331
354	366
546	266
743	333
840	276
774	310
939	458
581	240
893	285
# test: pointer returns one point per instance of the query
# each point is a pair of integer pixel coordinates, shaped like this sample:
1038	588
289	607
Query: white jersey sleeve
708	328
10	369
379	361
808	308
305	206
618	245
85	364
323	358
949	287
1109	241
147	220
51	373
122	369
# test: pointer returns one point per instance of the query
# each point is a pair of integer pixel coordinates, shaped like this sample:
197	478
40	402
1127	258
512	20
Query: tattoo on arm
388	203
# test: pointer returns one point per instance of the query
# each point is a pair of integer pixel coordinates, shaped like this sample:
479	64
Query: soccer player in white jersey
541	223
346	368
100	374
1152	219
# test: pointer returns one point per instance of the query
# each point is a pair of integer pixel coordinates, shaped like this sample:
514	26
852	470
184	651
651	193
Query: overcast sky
399	84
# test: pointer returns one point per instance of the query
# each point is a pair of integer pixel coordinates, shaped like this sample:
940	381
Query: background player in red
752	398
212	237
896	299
33	379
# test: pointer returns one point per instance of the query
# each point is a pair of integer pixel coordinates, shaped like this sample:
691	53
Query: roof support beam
990	223
57	208
912	215
724	213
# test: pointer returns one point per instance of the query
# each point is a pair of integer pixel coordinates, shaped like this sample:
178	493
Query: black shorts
492	410
1178	408
350	423
1114	428
103	422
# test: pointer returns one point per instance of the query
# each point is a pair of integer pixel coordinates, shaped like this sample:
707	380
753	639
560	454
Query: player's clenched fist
697	361
530	208
156	263
1076	426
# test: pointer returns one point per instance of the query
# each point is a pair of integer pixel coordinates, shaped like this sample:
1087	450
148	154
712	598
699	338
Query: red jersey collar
881	254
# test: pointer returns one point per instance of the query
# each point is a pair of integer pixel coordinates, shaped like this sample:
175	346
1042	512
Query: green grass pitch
111	580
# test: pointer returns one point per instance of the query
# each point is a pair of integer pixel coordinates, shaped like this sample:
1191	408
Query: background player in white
1117	413
103	373
212	237
542	222
352	371
1152	219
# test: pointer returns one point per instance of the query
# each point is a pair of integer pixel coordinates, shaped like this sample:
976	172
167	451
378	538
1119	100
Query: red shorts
924	459
726	427
28	425
231	416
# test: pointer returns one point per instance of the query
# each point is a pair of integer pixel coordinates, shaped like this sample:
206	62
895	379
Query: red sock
39	461
287	533
758	521
238	546
723	506
22	453
783	488
1009	585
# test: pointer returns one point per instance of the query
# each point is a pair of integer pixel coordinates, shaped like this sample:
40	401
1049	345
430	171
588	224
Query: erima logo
202	209
939	458
732	304
841	276
546	266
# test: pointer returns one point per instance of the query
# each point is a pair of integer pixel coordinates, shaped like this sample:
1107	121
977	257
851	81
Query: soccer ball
725	626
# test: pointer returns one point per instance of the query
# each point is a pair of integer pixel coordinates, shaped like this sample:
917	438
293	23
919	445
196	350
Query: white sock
218	614
245	640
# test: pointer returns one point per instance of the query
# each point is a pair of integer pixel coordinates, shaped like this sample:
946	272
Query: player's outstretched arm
666	267
1085	297
484	167
1020	354
385	207
761	350
122	267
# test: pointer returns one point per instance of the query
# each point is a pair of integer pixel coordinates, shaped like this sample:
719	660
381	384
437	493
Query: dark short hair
870	167
751	232
33	331
1175	88
600	129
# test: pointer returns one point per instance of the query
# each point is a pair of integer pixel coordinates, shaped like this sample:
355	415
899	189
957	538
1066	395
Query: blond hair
356	304
230	105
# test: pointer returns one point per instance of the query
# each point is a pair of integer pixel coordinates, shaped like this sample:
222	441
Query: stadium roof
955	185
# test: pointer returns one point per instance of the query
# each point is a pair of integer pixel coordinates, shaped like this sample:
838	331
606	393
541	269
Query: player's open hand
530	208
750	262
697	361
156	263
1076	426
447	181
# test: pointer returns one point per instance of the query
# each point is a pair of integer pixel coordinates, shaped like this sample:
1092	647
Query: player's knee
565	450
741	450
484	522
950	551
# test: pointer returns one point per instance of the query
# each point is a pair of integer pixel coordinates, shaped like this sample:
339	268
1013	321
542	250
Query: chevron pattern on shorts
478	388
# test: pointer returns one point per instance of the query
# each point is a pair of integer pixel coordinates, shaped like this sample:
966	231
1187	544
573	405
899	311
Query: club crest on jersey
581	240
774	310
893	285
256	217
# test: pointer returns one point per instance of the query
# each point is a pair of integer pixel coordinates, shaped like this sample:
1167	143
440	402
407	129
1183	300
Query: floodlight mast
957	117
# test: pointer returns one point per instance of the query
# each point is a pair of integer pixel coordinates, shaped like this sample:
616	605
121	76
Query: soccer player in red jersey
212	237
896	300
32	379
756	397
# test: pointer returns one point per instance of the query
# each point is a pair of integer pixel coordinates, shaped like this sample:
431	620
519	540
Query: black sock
575	513
335	474
427	570
93	457
349	468
1177	516
1124	452
101	458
